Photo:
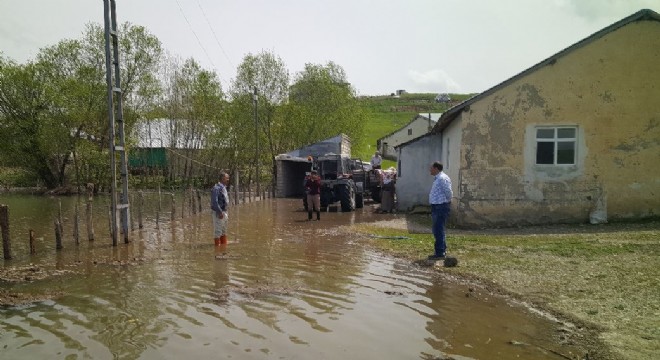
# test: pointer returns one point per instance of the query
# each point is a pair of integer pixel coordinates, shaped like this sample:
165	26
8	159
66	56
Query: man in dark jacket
313	188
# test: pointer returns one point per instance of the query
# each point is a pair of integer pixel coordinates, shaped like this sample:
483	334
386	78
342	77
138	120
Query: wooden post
131	213
173	206
192	201
110	220
235	185
4	224
33	248
59	219
183	204
76	218
139	209
58	235
88	212
199	200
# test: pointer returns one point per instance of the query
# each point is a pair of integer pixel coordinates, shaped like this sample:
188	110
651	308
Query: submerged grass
606	275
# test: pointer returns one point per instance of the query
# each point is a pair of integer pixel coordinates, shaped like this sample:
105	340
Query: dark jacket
313	186
218	200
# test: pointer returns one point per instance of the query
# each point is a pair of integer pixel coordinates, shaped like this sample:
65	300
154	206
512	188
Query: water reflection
286	288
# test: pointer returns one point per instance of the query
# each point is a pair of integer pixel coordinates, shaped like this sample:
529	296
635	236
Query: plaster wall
413	177
609	89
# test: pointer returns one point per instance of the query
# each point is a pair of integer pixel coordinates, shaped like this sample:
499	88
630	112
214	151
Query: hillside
386	114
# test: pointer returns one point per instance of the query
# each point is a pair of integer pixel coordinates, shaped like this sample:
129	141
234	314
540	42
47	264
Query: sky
421	46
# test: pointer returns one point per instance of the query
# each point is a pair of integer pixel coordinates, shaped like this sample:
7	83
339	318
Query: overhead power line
198	40
214	35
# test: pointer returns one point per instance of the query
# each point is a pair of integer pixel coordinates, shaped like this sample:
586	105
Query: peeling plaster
607	97
530	96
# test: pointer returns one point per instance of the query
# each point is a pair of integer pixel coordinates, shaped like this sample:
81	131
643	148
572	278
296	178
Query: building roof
434	119
166	133
452	113
322	147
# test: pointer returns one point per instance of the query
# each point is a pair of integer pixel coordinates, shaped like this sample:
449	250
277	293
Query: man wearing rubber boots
219	204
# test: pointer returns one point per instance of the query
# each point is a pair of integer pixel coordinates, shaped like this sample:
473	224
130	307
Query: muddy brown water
286	289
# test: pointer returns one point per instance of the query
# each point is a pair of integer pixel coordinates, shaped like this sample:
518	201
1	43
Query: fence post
60	222
139	208
173	206
4	224
58	234
88	212
183	203
192	201
110	219
235	185
33	248
131	213
199	200
76	218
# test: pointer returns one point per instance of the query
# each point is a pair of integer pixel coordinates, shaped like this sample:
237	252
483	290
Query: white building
420	125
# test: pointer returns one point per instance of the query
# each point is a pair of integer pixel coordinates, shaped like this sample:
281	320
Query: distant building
156	139
421	124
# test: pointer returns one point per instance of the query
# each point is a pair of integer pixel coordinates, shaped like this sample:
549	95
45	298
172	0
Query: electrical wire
194	33
214	35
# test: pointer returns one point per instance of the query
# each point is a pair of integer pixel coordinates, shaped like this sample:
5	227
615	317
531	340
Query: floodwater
286	289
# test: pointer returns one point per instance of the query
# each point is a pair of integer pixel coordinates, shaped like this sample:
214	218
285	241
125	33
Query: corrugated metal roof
167	133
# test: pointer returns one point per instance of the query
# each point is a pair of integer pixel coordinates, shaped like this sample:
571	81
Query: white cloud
435	80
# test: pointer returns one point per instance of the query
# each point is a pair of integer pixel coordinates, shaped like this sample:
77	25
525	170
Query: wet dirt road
286	289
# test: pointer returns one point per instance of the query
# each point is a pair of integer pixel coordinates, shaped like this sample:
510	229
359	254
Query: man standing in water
440	200
219	203
313	188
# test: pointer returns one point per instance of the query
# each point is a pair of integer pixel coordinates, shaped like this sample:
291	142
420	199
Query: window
556	145
409	131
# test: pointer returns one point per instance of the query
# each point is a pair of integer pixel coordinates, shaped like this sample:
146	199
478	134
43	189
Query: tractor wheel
359	201
347	198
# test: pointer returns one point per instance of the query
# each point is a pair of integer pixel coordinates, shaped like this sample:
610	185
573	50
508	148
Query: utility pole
115	121
256	134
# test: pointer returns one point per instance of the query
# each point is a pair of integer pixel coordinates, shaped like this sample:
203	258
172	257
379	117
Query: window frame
555	140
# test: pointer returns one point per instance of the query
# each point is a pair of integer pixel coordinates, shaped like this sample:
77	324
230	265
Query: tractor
337	183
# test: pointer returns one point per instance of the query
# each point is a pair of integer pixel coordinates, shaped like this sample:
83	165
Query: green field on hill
385	114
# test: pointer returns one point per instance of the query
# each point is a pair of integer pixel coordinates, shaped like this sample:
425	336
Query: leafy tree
52	105
194	106
267	73
24	108
324	104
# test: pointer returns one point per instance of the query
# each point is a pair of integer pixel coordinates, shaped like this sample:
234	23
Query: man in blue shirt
440	200
219	203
